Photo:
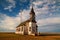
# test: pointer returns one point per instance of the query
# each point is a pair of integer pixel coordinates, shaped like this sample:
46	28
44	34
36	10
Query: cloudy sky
47	14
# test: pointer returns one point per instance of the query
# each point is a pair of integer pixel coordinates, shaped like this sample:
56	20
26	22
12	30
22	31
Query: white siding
33	28
30	25
19	32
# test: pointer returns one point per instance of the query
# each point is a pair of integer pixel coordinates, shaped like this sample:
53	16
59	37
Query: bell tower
32	24
32	15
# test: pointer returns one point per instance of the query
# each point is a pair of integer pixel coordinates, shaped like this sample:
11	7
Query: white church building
28	27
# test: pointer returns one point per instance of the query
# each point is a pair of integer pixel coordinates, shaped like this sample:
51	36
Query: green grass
13	36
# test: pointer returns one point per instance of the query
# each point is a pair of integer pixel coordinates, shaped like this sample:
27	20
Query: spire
32	11
32	15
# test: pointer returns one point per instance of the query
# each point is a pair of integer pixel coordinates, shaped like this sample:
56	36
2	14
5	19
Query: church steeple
32	11
32	15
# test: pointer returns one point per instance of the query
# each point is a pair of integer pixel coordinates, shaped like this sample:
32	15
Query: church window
29	28
18	29
33	29
21	28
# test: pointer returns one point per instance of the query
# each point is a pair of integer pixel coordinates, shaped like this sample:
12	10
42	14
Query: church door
25	30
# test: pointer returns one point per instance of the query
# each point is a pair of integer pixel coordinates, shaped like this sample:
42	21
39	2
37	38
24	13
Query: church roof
23	23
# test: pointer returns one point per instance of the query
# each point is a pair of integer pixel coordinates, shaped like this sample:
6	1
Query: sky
47	14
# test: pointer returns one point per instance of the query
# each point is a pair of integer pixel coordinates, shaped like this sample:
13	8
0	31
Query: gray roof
24	23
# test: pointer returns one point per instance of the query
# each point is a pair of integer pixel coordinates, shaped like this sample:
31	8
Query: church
28	27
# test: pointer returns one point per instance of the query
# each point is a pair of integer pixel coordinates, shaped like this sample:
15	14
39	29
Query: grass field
12	36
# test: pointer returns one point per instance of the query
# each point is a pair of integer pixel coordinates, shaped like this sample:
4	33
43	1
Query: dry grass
12	36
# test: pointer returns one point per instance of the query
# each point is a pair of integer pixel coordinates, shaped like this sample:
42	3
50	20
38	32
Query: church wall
30	28
19	30
33	27
27	24
26	28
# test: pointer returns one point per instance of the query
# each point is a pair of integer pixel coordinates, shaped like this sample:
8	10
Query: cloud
42	10
11	5
48	21
23	0
38	2
9	23
49	28
45	15
44	7
24	15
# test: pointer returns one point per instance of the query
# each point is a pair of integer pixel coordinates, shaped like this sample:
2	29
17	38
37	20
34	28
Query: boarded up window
21	28
18	29
29	28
